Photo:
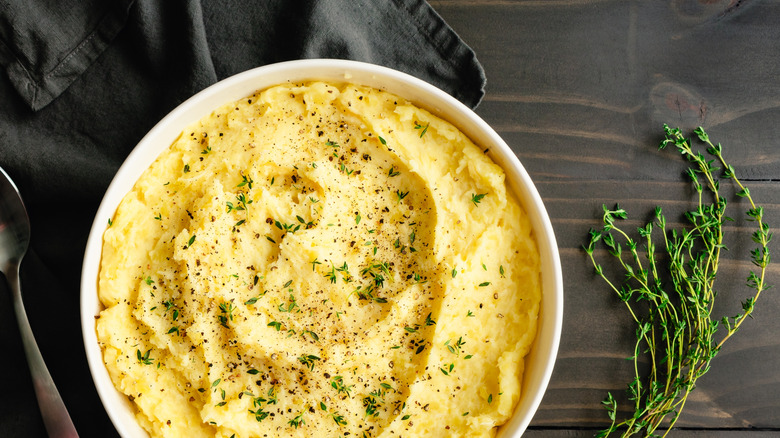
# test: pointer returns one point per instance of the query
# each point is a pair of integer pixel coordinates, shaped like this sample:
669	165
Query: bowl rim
545	348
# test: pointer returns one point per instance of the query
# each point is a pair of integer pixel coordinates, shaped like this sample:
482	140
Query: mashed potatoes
319	260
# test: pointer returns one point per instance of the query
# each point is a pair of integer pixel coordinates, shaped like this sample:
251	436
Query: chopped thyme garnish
259	413
243	201
245	181
226	315
344	269
298	420
477	198
456	347
308	360
312	334
338	384
417	125
332	274
338	418
372	404
376	273
290	306
144	358
257	402
393	172
168	304
272	396
447	369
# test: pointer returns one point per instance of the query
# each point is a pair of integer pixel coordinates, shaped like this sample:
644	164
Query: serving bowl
541	359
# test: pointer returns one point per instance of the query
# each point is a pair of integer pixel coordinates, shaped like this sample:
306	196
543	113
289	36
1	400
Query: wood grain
580	91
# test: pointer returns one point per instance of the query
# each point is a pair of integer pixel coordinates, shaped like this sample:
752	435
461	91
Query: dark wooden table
580	89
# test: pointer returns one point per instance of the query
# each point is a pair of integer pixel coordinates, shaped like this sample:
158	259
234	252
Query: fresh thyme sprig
671	297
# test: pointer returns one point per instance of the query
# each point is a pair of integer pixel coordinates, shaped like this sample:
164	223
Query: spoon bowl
14	241
14	226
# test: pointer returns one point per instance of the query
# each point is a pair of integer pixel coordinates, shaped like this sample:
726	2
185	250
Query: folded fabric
45	47
84	80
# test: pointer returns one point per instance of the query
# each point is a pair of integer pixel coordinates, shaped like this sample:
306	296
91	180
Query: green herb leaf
477	198
423	129
144	358
309	360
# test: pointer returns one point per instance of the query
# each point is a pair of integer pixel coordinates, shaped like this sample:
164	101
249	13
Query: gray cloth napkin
84	80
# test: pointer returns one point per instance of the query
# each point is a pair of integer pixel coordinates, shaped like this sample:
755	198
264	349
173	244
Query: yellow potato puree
319	260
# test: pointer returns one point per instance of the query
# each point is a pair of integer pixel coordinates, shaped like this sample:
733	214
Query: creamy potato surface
320	260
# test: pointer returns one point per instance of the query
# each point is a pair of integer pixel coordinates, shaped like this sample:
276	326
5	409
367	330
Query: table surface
580	90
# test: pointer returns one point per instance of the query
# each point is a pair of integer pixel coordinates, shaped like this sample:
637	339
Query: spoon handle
55	415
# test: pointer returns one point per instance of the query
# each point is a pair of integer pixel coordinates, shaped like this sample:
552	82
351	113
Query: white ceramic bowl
539	363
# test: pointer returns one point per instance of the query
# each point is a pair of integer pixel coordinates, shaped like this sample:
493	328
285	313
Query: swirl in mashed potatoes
320	260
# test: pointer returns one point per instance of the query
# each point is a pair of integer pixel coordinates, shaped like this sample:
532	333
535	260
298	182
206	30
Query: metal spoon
14	240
